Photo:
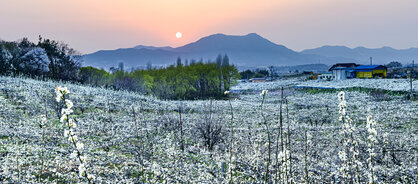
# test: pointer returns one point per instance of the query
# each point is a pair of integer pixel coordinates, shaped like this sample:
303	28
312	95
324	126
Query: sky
91	25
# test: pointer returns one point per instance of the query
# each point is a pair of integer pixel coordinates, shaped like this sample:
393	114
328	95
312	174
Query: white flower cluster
226	92
372	131
372	140
284	158
43	119
264	92
342	105
308	138
349	154
61	93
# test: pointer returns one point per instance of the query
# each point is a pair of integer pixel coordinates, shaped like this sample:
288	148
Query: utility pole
371	60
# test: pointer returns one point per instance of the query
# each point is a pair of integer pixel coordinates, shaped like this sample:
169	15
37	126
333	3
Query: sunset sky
91	25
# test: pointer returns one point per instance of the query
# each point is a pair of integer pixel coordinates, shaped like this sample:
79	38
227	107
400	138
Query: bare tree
210	129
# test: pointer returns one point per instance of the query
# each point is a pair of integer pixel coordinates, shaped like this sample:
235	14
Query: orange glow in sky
91	25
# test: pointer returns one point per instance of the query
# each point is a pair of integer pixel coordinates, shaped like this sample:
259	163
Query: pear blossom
63	118
264	92
69	104
67	133
74	154
72	124
80	145
73	138
43	118
91	177
372	139
70	133
60	92
105	129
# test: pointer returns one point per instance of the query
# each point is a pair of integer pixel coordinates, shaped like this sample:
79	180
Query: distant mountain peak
221	35
253	35
388	48
219	42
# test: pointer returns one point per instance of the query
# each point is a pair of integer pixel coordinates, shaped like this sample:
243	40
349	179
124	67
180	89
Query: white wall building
325	76
342	71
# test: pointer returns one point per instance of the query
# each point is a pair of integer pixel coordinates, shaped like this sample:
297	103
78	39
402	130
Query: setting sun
178	35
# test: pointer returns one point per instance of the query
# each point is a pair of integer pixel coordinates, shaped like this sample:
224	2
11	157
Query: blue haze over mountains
250	50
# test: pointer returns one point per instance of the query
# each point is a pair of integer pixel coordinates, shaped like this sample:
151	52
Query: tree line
45	59
258	73
49	59
197	80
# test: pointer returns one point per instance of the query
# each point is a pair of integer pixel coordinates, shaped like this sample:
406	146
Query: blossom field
385	84
54	132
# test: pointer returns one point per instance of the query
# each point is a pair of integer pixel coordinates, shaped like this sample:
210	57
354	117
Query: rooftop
368	67
343	65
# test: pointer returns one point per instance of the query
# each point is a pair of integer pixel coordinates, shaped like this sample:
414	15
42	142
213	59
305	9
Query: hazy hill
152	47
131	57
249	50
382	55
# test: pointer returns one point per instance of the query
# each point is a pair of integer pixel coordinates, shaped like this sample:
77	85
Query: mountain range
249	50
362	55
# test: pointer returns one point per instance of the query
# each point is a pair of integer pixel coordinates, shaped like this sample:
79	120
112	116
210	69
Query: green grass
4	137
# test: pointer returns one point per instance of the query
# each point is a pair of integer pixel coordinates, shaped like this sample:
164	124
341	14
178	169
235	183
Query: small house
341	71
371	71
325	76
